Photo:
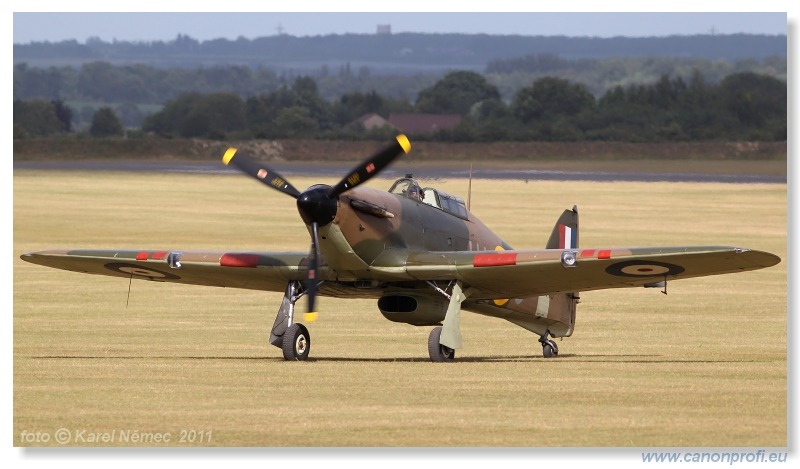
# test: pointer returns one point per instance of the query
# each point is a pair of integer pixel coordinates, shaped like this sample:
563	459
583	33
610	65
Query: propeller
371	166
259	171
318	204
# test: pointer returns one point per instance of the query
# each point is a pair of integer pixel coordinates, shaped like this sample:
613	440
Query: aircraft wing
526	273
268	271
489	274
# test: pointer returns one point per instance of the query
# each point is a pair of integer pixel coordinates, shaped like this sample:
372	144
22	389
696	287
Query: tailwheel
296	343
549	349
438	352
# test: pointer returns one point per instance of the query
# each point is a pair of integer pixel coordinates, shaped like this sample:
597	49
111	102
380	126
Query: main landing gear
549	347
439	353
293	338
296	343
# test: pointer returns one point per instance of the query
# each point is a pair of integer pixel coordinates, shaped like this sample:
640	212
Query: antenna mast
469	190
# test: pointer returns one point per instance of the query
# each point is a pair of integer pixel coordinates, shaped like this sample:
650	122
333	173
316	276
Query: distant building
384	29
424	124
371	121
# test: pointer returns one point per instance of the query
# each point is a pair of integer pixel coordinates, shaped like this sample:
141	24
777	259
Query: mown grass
702	366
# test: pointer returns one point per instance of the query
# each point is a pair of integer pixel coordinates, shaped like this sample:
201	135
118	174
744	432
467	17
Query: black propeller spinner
318	204
315	206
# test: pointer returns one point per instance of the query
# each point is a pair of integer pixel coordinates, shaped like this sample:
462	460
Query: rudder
565	233
562	307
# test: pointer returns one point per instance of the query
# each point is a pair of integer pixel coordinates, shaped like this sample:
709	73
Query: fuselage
373	233
415	226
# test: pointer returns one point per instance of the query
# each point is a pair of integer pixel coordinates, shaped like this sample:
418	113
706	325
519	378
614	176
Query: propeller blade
313	275
371	166
318	205
259	171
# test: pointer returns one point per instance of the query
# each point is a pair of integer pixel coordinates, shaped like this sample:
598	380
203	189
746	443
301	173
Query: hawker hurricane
420	253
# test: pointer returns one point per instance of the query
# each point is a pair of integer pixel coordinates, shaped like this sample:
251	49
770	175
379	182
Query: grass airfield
705	365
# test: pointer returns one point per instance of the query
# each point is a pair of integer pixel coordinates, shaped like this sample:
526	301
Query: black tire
438	352
296	343
549	349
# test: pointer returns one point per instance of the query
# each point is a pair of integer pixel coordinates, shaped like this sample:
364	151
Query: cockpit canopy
408	187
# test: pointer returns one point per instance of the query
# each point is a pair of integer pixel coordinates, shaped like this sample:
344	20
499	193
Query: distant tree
551	97
295	122
214	116
493	120
63	113
456	93
534	63
351	106
306	88
196	115
270	115
754	99
261	111
44	83
36	118
105	123
105	82
171	119
308	97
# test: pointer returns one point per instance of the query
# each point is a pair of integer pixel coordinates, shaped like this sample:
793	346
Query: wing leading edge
268	271
526	273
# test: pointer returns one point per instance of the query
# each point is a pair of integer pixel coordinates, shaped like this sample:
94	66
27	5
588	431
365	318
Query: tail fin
565	233
562	307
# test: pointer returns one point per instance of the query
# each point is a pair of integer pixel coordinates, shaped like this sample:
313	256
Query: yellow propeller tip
310	316
404	143
228	156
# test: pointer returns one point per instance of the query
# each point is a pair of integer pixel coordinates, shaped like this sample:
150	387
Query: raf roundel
138	271
643	269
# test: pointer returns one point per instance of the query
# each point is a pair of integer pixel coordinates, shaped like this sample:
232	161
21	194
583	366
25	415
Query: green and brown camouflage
421	254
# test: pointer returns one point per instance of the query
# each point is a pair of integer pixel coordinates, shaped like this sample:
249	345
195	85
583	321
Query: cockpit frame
409	188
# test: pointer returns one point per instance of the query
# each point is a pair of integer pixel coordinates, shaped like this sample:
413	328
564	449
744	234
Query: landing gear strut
293	338
549	347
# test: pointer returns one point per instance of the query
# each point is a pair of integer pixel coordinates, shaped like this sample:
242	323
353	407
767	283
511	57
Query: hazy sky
29	27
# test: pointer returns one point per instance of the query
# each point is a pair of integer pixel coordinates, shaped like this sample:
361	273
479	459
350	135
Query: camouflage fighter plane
421	254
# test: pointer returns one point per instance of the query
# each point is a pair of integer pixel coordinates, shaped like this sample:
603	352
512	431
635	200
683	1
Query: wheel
438	352
296	342
549	349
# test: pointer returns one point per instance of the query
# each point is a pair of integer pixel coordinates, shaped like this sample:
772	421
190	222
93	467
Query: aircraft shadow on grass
573	358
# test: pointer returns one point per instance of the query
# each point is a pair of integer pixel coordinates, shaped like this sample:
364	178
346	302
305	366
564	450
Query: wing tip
763	259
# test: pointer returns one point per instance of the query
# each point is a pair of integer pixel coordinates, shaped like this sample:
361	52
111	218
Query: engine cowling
417	310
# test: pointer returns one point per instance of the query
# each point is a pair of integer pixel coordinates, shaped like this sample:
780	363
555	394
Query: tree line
142	89
742	106
399	49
